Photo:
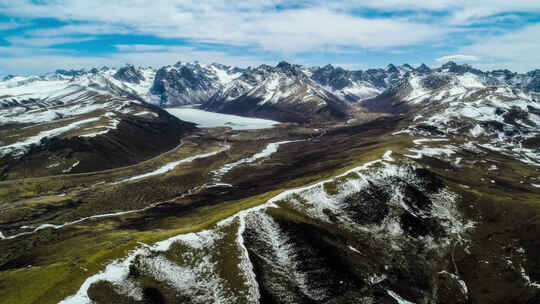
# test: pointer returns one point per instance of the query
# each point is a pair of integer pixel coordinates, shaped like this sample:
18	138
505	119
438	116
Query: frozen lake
205	119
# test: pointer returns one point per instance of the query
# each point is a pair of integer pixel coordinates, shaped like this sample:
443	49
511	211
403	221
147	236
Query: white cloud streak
457	57
249	22
517	50
30	63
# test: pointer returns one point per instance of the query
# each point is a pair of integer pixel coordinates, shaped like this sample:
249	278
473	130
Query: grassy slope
86	246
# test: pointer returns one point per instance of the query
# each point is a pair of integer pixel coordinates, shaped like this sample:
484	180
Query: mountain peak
391	68
449	65
327	67
129	73
220	66
71	73
453	67
284	65
287	68
408	67
423	68
8	77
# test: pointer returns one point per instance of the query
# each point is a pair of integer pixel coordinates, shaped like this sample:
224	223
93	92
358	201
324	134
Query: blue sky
38	36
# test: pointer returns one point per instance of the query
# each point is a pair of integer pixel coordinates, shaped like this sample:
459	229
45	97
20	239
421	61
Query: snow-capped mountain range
195	83
286	92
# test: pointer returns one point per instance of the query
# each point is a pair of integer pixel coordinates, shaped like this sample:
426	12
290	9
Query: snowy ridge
494	114
22	91
398	298
275	84
21	146
443	203
195	83
117	271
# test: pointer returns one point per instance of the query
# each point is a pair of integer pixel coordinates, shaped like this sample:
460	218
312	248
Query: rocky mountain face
532	81
187	83
284	93
129	74
349	85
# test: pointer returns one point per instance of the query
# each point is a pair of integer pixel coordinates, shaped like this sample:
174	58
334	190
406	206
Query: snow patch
425	140
417	90
469	80
431	152
387	156
527	278
71	168
398	298
207	119
477	131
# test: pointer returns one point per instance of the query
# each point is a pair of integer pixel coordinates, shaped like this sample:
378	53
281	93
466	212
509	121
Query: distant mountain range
286	92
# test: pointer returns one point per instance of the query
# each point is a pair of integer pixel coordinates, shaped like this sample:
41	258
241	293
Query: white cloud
461	11
140	47
252	23
311	29
28	62
317	26
517	50
457	57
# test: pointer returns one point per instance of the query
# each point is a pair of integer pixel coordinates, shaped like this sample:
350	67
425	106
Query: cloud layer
241	32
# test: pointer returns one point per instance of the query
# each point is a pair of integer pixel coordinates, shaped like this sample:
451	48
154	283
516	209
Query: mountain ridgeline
285	92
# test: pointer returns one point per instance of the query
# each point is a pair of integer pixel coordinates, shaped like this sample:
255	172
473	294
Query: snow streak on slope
172	165
71	223
42	112
270	149
21	146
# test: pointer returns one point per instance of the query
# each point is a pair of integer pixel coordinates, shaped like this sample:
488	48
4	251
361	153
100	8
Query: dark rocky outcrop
129	74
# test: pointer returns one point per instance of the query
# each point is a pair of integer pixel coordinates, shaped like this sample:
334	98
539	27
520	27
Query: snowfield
205	119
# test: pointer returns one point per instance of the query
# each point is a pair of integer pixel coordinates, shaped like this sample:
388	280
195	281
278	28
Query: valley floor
290	214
